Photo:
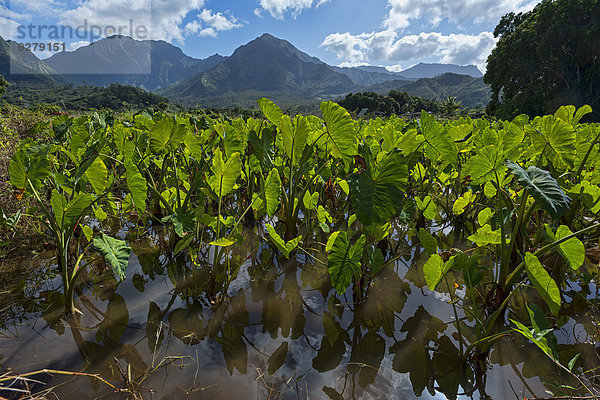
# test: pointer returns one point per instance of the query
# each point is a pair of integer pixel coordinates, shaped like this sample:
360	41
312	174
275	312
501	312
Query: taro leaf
222	242
285	247
540	323
28	165
462	202
167	135
270	110
341	131
484	216
263	147
427	206
294	136
310	200
428	241
471	270
438	141
97	175
67	214
376	260
556	139
485	165
183	222
272	191
137	186
376	196
184	243
344	261
115	252
224	173
544	284
485	235
489	190
581	112
572	250
535	337
434	270
543	187
277	358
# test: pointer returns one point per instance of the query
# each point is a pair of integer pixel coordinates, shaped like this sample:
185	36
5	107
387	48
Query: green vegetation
544	58
395	103
495	216
83	98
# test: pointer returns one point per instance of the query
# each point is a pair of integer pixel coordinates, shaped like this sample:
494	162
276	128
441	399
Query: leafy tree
3	85
394	103
545	58
450	106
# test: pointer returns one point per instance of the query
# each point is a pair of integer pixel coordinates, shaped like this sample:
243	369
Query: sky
396	34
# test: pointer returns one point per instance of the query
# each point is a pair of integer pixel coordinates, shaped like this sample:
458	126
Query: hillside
424	70
268	65
121	59
471	92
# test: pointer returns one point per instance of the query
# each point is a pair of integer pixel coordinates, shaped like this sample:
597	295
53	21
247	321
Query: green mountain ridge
266	64
471	92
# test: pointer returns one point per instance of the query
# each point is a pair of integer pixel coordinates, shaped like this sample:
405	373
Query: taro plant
67	179
520	219
307	146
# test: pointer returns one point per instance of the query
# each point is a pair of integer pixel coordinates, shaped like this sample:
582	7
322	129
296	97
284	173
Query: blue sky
392	33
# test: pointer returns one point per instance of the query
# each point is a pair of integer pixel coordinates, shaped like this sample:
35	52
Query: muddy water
177	329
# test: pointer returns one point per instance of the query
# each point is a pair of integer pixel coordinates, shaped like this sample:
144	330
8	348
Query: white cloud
218	21
279	8
75	45
209	24
162	19
395	68
8	28
386	46
402	12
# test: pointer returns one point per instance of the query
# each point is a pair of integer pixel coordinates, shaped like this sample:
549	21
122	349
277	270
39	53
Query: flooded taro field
306	259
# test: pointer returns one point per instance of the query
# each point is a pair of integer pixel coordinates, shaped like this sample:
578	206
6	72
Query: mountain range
266	66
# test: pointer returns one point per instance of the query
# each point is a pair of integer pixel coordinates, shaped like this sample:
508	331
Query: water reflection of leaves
367	355
333	345
115	320
277	358
387	295
186	324
411	354
152	327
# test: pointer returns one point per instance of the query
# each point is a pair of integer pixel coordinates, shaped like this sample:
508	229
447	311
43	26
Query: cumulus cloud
279	8
8	28
388	47
163	19
402	12
209	24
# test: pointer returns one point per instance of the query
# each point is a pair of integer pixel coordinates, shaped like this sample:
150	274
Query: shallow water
277	330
